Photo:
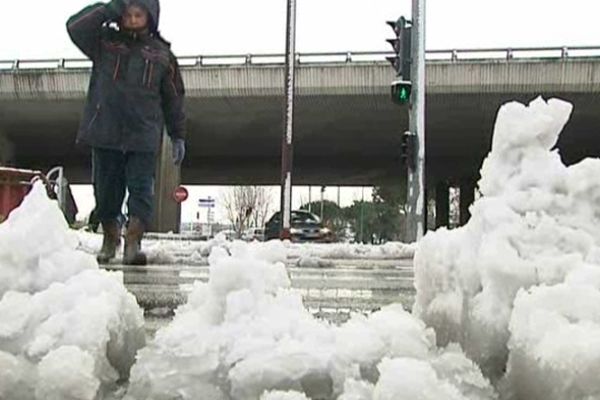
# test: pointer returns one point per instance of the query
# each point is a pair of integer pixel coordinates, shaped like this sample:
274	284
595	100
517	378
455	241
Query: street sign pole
416	201
208	203
287	142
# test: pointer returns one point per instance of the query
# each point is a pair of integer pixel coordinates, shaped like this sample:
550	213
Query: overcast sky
35	28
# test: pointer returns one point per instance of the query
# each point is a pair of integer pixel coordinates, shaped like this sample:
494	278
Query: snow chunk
36	246
91	311
523	138
555	343
17	377
357	390
67	373
405	378
447	376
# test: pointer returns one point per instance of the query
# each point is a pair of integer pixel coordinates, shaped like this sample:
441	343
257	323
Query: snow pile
36	246
168	250
72	331
536	227
342	251
246	335
307	255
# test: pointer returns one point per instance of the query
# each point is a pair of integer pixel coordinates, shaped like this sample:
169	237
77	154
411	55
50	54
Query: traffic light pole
416	201
287	152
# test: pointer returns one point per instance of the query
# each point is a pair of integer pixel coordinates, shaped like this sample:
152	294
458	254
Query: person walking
135	90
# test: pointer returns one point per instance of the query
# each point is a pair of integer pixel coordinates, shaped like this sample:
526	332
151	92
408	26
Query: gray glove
178	151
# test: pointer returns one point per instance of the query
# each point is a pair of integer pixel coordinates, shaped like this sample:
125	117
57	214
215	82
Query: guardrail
451	55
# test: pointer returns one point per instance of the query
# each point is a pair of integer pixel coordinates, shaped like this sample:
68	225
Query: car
305	227
253	234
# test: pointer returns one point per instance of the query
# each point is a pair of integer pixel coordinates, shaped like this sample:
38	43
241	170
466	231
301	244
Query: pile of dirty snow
308	255
67	329
519	286
246	335
343	251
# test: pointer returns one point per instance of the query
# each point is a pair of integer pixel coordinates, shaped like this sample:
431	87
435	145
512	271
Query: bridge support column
7	151
167	212
442	204
467	197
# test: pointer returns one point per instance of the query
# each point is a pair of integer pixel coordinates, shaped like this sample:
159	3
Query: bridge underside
339	139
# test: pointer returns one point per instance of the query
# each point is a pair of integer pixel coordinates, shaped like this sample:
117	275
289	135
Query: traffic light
401	91
402	45
409	149
401	88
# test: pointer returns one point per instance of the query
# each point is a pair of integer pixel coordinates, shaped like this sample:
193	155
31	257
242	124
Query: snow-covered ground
508	307
194	252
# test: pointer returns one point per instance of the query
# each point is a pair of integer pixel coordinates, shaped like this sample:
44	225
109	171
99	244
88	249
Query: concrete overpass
347	130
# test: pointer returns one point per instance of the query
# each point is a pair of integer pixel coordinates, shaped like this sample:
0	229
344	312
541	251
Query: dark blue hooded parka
135	87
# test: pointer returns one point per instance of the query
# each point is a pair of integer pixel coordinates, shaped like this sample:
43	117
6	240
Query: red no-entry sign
180	194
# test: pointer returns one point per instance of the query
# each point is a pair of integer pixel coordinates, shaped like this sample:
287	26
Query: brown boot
133	254
110	241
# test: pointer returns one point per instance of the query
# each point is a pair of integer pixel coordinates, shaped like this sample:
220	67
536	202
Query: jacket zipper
150	75
145	77
173	75
117	66
94	117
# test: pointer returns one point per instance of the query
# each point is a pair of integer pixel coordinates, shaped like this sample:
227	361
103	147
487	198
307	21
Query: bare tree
247	206
264	205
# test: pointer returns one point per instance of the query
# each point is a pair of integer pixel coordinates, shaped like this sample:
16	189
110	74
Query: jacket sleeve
173	93
85	27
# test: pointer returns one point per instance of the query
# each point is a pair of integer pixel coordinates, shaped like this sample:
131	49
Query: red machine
15	184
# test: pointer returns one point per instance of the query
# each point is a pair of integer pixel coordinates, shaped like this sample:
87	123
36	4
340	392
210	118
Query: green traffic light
401	91
404	95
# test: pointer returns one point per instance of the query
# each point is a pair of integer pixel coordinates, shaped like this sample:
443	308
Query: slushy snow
67	329
246	335
518	286
167	250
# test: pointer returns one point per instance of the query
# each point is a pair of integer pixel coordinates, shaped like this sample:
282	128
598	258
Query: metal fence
451	55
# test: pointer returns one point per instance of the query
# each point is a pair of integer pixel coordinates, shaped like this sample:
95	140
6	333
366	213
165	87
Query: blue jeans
114	172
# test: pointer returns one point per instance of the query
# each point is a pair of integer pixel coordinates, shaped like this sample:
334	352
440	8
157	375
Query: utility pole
287	153
416	177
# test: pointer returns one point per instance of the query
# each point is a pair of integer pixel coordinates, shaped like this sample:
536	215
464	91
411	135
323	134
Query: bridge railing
449	55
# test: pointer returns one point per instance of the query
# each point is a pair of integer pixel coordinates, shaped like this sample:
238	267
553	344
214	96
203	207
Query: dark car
305	227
